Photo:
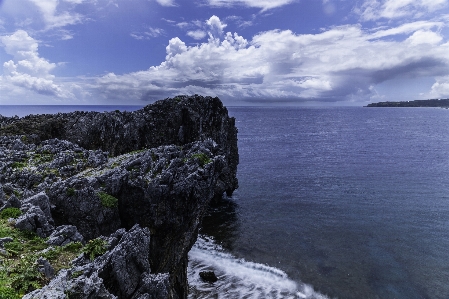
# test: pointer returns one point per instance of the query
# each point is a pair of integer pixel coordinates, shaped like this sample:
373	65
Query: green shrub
10	213
8	293
26	276
202	158
95	247
18	165
108	201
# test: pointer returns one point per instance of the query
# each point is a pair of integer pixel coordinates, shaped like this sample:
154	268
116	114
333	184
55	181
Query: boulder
208	276
35	220
40	200
12	202
64	235
45	268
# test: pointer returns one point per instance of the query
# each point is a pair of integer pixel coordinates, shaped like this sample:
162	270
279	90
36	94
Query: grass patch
42	158
107	201
19	270
18	165
10	213
95	247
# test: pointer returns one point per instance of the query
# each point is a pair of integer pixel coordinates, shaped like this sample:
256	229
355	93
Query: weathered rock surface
177	121
123	272
152	172
35	220
65	234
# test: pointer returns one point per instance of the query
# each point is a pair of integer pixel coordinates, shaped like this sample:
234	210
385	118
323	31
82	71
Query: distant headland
443	103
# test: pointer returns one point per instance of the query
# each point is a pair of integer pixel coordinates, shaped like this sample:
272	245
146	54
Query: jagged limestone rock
152	172
122	272
65	234
177	121
34	220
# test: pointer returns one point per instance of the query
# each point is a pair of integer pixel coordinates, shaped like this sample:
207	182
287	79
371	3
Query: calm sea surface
353	202
333	203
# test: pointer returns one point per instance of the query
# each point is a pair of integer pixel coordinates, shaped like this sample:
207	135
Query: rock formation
143	178
177	121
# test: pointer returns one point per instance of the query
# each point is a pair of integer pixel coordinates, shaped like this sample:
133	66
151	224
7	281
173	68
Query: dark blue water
353	201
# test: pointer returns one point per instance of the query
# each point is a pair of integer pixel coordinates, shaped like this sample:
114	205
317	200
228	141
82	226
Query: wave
238	278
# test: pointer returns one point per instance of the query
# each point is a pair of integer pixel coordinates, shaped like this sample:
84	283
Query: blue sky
247	52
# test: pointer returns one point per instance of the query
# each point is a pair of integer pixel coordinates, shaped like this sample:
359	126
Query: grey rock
158	167
154	286
5	240
2	196
178	121
12	202
45	268
40	200
64	235
64	284
35	220
8	188
123	272
124	264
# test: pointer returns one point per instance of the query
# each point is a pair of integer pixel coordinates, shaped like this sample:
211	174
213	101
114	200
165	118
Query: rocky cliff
141	180
176	121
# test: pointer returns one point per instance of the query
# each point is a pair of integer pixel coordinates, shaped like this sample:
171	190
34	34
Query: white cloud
197	34
183	25
166	2
441	88
27	70
394	9
54	18
215	27
425	37
148	34
263	4
341	63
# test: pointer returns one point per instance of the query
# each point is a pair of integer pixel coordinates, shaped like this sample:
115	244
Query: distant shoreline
441	103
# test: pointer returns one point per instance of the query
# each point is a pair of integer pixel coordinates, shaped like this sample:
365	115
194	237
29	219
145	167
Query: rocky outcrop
177	121
144	178
123	272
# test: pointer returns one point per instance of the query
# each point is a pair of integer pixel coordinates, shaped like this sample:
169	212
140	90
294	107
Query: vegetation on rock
107	200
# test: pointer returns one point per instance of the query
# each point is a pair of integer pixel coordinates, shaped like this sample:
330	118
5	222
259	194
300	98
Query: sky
246	52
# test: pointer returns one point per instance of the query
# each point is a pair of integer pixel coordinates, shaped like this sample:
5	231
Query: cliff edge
137	182
176	121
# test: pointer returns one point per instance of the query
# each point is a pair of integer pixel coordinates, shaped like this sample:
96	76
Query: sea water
346	202
333	203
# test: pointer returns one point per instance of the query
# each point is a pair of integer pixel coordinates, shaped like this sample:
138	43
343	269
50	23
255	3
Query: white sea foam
238	278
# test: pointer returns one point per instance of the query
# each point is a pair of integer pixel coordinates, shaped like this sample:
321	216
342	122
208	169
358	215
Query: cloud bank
341	63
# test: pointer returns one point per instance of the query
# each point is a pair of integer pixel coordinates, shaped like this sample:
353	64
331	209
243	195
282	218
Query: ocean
341	202
334	202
